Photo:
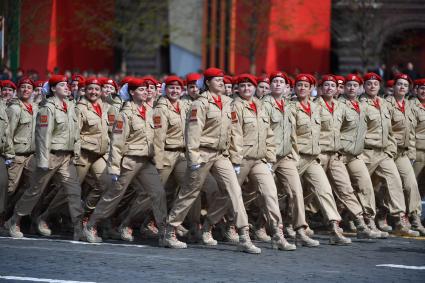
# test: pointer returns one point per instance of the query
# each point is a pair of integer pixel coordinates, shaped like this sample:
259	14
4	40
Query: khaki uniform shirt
353	128
419	123
6	144
22	126
169	130
132	136
208	128
252	137
283	126
330	140
56	130
307	128
379	135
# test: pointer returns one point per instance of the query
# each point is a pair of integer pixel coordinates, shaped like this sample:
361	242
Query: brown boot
336	237
402	226
415	220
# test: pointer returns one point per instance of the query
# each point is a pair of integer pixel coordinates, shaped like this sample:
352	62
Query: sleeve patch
44	119
194	115
111	118
119	127
157	122
234	117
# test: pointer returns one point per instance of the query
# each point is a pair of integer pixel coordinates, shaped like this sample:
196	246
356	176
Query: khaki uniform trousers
88	163
340	182
63	169
222	170
289	180
312	172
410	185
362	184
381	165
133	167
419	168
3	186
258	173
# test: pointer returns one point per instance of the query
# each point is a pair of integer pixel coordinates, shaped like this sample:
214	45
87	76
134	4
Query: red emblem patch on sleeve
157	122
234	117
111	118
194	115
44	119
118	127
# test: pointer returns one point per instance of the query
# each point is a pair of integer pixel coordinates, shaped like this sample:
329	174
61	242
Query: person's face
216	85
372	87
37	91
421	93
352	89
93	92
25	91
81	91
158	90
329	89
390	91
302	89
246	90
139	94
108	90
228	88
151	91
401	88
74	86
277	86
262	89
173	92
235	89
7	93
193	90
340	89
61	90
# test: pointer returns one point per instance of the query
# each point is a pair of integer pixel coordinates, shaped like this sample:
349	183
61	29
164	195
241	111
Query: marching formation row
251	153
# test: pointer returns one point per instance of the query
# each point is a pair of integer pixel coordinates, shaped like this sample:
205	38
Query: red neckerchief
177	107
355	105
330	108
376	103
307	108
97	108
29	107
217	101
401	106
423	105
253	107
142	111
280	105
64	107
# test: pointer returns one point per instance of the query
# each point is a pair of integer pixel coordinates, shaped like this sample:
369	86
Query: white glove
237	169
115	178
195	167
8	162
270	166
412	161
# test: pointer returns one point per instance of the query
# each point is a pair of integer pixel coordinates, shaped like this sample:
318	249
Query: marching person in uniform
418	108
56	145
207	136
8	89
263	87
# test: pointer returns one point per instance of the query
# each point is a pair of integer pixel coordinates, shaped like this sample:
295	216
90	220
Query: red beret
340	80
173	80
77	77
247	78
55	79
227	80
126	80
136	82
39	83
390	83
149	80
193	77
108	81
354	77
8	83
420	82
25	80
331	78
235	80
305	78
404	77
372	76
213	72
263	79
94	81
279	74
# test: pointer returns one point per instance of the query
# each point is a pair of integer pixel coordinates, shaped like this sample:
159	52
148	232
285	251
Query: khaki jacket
22	126
379	135
283	126
353	128
6	144
418	111
307	128
169	130
330	140
252	137
208	128
93	128
56	130
131	136
116	102
402	125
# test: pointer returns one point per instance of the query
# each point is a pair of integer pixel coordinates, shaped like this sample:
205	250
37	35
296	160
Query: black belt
62	152
181	149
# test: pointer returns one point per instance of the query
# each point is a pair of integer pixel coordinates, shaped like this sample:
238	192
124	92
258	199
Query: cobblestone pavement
33	259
